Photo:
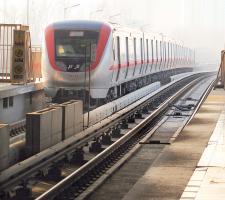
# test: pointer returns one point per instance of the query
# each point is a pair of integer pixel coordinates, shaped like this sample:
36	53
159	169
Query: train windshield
75	49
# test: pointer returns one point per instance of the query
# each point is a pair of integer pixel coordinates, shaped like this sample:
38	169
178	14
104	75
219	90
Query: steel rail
203	98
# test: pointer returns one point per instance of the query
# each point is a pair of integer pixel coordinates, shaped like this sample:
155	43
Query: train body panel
108	109
116	59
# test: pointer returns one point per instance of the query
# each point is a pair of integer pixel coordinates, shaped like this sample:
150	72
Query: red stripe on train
103	38
50	41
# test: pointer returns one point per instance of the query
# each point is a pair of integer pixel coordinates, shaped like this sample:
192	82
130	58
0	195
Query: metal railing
33	68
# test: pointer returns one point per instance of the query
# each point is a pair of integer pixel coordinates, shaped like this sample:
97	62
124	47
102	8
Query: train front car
73	51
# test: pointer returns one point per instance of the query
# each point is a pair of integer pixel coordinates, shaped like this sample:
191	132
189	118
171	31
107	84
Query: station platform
18	99
7	89
193	166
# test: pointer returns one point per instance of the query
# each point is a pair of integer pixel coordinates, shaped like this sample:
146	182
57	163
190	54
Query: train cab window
75	49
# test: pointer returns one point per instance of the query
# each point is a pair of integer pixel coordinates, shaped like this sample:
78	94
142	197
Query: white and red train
108	60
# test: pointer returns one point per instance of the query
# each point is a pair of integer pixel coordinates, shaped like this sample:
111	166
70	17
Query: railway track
65	171
137	162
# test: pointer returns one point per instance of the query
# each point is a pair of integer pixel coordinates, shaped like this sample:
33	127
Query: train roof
80	24
96	25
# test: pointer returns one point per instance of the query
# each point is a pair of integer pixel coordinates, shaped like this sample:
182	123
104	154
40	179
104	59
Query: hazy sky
200	24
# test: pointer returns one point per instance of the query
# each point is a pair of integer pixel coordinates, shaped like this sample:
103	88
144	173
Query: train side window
127	51
176	53
5	102
150	51
127	55
113	49
10	101
157	50
118	56
168	51
164	50
135	53
141	41
178	50
181	53
118	49
152	47
147	48
141	48
161	53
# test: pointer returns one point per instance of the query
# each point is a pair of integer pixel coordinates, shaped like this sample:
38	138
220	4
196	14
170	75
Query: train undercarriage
117	91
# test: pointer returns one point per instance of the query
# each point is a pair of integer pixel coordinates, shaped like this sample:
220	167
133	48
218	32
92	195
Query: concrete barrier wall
44	129
78	110
72	118
4	146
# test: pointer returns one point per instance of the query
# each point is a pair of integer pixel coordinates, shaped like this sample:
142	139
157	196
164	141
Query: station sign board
18	72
